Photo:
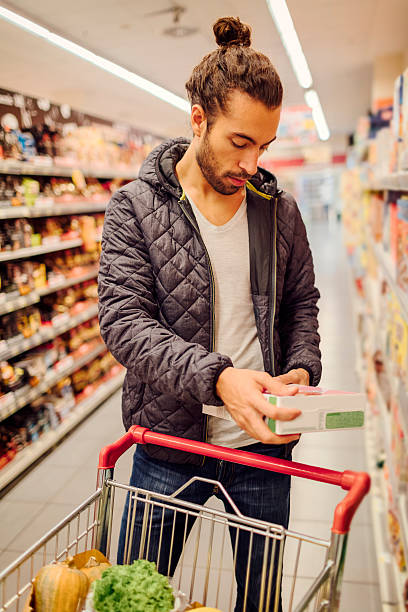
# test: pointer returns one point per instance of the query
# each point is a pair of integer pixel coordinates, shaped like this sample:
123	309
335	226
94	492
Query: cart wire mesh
205	565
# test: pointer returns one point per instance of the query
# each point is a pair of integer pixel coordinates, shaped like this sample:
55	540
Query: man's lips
237	181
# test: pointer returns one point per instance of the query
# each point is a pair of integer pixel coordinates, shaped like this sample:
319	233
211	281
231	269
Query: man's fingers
289	378
276	386
257	428
279	413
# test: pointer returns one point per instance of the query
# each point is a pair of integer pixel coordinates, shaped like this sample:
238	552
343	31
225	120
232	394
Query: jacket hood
158	170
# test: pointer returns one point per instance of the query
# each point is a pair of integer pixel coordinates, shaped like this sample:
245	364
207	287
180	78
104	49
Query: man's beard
209	168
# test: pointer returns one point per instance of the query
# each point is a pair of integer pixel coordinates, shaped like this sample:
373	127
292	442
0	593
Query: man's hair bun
230	32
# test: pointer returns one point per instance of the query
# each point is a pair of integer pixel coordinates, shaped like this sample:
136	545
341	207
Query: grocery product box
322	410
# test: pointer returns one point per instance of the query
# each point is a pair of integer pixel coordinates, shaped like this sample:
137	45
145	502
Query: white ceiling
340	38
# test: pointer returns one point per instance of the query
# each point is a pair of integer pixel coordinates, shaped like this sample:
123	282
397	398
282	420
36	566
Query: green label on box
272	425
341	420
272	400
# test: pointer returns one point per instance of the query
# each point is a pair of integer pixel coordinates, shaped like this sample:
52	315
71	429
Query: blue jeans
259	494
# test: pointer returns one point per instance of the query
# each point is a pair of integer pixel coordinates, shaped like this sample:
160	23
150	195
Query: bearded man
207	297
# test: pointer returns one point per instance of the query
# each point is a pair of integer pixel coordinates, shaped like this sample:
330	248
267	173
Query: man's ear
198	120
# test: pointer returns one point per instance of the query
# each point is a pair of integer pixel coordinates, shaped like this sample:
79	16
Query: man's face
228	153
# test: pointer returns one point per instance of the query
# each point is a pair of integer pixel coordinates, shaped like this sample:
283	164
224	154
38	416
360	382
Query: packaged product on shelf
12	377
377	216
402	243
28	321
395	535
390	232
9	193
398	446
397	122
31	190
404	144
88	232
400	345
382	379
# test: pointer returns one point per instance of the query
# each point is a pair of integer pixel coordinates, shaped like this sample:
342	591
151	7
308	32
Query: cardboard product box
322	410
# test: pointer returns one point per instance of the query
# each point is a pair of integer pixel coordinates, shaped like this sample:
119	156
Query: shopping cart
201	572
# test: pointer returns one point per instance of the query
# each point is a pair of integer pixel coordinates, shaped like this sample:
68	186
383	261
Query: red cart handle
356	483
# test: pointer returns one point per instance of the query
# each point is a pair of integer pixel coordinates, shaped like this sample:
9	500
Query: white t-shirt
235	328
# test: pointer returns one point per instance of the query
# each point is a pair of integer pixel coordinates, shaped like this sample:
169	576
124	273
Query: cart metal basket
205	568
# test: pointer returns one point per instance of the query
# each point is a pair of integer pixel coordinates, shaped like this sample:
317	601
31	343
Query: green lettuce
135	588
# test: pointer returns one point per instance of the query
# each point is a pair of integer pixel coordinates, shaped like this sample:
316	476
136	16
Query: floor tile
351	439
35	487
360	597
80	486
361	561
39	525
319	503
16	517
355	597
330	457
63	455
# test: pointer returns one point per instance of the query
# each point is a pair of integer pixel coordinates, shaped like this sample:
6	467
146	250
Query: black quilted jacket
156	297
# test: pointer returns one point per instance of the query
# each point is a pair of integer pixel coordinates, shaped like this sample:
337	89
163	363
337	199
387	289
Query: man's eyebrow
245	137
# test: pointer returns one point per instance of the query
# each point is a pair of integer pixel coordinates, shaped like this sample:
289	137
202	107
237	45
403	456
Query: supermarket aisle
67	476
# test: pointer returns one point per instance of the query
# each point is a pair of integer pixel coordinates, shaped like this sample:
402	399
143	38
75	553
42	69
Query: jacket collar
158	170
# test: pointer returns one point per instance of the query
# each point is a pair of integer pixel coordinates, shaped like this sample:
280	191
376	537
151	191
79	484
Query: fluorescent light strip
312	100
290	40
97	60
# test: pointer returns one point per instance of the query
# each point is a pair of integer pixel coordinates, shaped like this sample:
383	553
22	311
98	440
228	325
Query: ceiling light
290	40
97	60
312	100
179	31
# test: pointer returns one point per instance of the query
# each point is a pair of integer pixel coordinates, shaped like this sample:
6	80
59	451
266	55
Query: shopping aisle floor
67	476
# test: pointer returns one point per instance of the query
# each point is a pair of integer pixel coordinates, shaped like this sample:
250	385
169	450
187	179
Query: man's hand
241	392
295	377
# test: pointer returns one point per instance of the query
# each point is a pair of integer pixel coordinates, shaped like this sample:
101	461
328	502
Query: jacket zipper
212	299
273	289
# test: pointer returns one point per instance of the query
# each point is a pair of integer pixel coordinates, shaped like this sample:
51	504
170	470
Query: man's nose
249	163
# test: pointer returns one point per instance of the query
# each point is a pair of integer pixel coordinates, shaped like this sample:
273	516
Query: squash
93	569
60	587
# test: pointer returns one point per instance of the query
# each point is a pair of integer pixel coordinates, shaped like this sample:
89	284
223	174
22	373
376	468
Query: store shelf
12	304
68	282
14	212
13	166
397	181
15	303
40	250
51	210
385	263
385	561
32	453
11	349
55	210
387	570
61	370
